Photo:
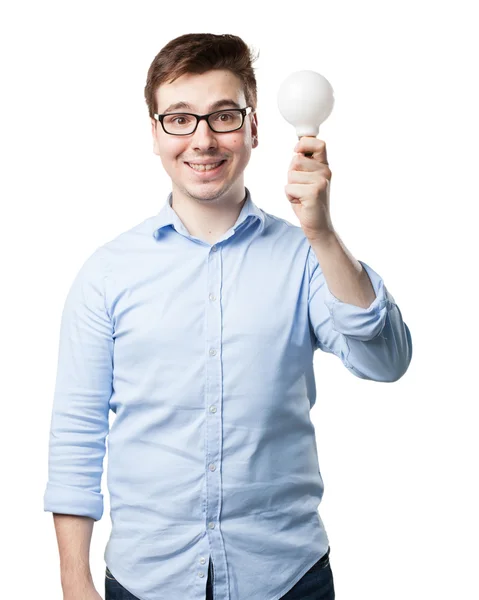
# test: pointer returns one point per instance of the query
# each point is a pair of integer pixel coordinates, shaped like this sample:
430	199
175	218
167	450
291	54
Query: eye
228	116
177	119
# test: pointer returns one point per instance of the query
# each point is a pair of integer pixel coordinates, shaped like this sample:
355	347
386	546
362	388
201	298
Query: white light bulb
305	99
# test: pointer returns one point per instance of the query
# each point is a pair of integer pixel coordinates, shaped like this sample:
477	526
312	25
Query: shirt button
212	467
212	297
201	574
202	560
211	525
212	352
213	409
214	248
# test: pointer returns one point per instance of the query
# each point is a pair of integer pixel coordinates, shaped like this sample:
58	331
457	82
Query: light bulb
306	99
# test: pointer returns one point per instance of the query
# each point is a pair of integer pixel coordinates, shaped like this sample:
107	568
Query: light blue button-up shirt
205	355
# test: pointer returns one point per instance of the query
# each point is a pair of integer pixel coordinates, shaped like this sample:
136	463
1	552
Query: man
197	328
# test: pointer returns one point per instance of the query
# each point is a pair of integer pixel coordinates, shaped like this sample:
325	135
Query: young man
197	328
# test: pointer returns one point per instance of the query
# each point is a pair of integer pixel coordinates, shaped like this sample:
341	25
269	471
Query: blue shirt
205	355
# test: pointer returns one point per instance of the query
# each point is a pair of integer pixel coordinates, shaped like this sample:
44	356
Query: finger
314	145
301	163
305	177
297	190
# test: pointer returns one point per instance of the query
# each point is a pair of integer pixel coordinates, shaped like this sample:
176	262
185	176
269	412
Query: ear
254	130
154	125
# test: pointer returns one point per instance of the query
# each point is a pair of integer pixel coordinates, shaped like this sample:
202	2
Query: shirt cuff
361	323
69	500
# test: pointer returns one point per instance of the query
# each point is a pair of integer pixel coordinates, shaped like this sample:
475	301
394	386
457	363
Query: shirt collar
168	217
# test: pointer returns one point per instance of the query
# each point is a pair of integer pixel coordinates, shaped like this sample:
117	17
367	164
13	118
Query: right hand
90	594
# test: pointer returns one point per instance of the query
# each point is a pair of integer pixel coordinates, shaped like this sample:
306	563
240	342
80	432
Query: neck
208	218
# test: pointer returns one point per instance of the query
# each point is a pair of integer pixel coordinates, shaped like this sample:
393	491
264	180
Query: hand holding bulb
305	99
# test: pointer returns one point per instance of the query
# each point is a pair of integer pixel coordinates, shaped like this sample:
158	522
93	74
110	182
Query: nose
204	136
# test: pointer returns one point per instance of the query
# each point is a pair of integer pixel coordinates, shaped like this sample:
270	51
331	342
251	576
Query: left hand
308	186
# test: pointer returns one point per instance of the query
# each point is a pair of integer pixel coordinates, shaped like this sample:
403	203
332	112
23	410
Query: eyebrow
212	107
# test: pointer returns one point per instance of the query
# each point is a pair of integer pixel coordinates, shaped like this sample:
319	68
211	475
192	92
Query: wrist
75	584
323	237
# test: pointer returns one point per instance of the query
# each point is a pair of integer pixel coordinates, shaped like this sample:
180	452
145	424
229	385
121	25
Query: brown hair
198	53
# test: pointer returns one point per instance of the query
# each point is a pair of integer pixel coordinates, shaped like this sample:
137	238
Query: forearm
345	276
74	537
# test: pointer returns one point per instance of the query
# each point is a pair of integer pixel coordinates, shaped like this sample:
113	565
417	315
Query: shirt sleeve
79	422
373	343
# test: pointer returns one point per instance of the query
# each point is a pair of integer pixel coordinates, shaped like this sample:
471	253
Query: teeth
204	167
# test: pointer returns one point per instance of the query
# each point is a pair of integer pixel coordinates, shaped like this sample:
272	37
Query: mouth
207	170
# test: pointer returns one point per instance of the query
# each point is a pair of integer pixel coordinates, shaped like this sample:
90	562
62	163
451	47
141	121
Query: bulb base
308	130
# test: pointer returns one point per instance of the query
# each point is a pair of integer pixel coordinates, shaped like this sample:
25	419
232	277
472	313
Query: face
200	91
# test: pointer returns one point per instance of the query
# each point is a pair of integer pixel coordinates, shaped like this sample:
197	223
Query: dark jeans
316	584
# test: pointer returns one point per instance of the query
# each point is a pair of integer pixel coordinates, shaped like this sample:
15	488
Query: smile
212	169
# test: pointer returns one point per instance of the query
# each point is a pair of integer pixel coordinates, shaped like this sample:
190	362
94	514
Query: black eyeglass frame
244	111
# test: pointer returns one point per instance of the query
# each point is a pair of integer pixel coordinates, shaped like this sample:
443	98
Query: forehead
200	91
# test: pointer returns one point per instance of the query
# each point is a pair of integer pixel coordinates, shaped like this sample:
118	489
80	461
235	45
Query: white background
399	461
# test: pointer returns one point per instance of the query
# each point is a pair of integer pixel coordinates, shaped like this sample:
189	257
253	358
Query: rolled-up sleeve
373	343
79	421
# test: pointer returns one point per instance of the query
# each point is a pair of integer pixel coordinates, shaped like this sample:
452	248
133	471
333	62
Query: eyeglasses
220	121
